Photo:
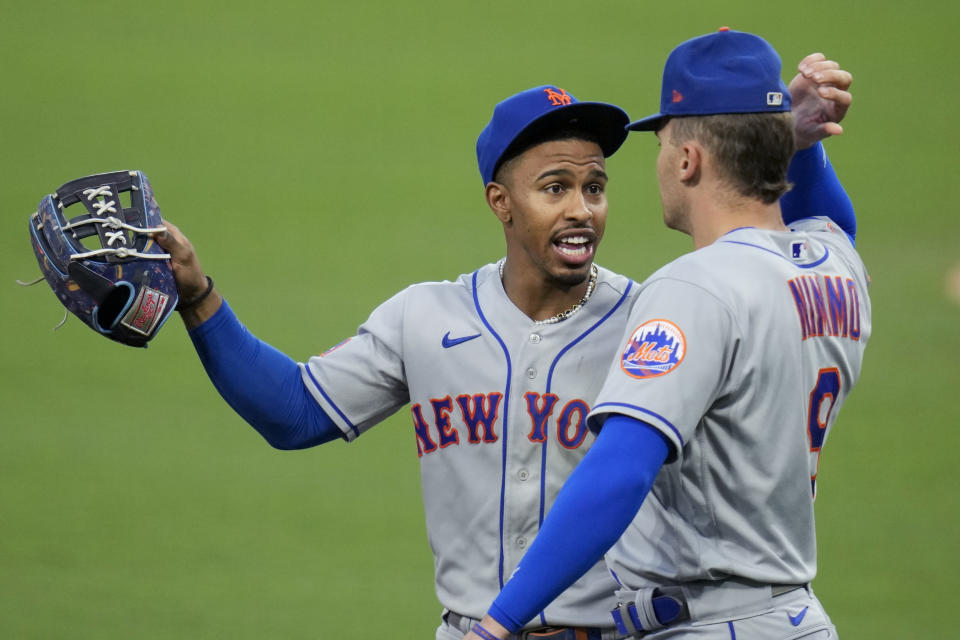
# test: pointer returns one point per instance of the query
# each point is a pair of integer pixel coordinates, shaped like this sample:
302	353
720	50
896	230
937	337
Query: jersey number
822	399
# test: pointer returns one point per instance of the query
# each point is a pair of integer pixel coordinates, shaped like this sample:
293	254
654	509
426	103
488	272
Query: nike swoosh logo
448	342
797	619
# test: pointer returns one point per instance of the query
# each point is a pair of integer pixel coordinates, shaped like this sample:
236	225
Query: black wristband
185	305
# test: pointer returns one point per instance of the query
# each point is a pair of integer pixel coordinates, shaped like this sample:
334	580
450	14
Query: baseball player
736	359
498	367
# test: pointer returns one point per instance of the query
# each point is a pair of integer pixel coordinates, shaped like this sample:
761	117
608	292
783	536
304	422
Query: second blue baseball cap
542	109
723	72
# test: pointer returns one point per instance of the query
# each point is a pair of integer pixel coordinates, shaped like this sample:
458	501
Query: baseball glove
121	286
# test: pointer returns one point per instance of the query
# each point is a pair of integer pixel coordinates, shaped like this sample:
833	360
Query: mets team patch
655	348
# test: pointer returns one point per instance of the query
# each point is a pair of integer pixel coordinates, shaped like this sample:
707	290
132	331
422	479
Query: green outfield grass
321	157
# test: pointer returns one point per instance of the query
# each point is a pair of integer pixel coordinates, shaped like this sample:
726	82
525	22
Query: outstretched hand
189	275
820	99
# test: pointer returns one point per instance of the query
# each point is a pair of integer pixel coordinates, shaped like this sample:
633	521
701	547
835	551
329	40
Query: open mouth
575	248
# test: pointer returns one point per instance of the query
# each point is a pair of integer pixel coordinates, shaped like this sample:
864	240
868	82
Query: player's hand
820	99
189	275
190	278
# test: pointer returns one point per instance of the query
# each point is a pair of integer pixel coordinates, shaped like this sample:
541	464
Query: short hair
753	150
528	140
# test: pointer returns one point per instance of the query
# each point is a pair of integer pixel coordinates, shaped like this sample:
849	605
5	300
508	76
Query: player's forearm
197	314
260	383
817	191
595	506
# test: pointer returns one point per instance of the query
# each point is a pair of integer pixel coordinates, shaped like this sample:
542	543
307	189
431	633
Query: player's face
558	206
671	192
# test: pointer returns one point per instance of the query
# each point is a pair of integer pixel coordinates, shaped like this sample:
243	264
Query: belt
639	612
541	633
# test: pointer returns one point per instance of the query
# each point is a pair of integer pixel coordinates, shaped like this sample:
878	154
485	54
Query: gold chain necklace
563	315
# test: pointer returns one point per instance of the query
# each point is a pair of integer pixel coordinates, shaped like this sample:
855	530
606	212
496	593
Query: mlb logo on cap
723	72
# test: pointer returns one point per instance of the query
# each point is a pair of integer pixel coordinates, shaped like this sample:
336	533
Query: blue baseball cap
723	72
528	114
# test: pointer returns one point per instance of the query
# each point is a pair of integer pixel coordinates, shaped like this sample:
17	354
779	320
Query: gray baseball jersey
742	354
498	406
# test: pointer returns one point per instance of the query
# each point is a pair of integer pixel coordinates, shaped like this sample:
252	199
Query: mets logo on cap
656	347
558	97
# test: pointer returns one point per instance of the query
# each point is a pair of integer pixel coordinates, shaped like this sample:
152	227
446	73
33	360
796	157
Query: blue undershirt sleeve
817	191
260	383
594	507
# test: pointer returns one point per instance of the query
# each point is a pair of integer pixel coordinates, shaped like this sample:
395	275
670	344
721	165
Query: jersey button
531	373
523	474
535	338
521	542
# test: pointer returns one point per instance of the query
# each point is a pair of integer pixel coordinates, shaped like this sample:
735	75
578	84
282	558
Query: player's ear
690	164
498	199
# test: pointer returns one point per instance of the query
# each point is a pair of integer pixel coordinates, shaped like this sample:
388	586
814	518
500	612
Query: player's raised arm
259	382
820	99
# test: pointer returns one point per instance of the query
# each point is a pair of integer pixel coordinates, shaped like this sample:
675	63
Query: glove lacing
118	226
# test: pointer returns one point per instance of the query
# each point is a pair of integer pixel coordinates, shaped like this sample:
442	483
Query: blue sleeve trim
642	410
593	509
343	416
260	383
817	191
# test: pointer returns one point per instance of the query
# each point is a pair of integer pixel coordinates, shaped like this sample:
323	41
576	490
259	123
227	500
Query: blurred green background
321	157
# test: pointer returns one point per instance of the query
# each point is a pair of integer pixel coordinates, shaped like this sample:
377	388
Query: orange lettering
558	97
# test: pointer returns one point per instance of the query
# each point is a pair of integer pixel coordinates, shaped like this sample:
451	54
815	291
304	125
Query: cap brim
604	121
650	123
